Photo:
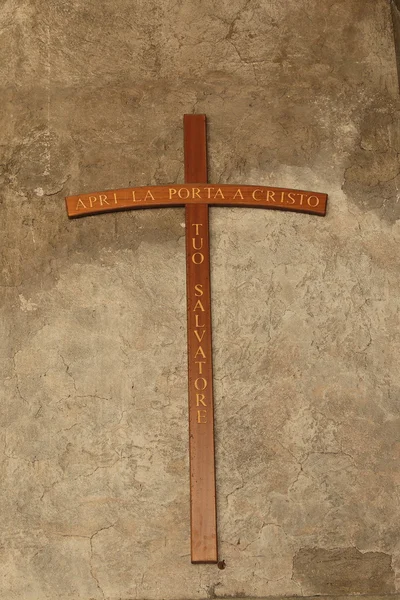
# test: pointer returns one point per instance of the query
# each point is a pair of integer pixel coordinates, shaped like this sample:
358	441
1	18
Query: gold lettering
79	204
196	333
172	192
254	195
199	288
309	201
201	352
197	225
201	416
301	199
208	191
194	244
92	200
282	197
219	191
115	198
199	258
196	318
272	194
133	196
293	200
238	193
149	195
201	386
200	363
196	193
198	305
103	198
183	193
200	400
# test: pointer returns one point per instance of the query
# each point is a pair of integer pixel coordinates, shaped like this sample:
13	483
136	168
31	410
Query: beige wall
94	499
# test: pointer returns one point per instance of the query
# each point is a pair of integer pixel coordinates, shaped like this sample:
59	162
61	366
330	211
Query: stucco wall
94	499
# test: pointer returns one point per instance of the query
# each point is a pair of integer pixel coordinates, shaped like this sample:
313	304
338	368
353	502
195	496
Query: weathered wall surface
94	500
395	6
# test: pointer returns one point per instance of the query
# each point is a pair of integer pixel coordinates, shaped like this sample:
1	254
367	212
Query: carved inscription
223	195
199	331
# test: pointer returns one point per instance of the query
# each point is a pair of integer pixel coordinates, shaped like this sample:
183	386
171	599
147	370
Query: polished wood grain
196	195
203	515
251	196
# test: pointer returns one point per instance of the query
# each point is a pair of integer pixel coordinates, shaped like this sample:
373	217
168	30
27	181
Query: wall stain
372	176
342	571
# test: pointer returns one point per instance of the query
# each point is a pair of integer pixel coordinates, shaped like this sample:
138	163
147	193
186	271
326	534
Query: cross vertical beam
203	514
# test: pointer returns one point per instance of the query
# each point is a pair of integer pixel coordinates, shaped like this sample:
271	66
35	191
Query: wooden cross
197	196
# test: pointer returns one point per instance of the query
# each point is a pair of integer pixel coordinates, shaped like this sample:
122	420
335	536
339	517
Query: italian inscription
199	332
244	195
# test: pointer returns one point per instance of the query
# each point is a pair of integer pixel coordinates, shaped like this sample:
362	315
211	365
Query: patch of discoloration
372	177
341	571
395	6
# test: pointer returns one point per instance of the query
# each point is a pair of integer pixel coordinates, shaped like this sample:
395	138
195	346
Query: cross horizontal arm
180	195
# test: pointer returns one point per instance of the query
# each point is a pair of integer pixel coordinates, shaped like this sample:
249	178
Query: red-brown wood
203	514
252	196
196	195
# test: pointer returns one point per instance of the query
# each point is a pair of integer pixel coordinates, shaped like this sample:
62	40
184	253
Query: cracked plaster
94	502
